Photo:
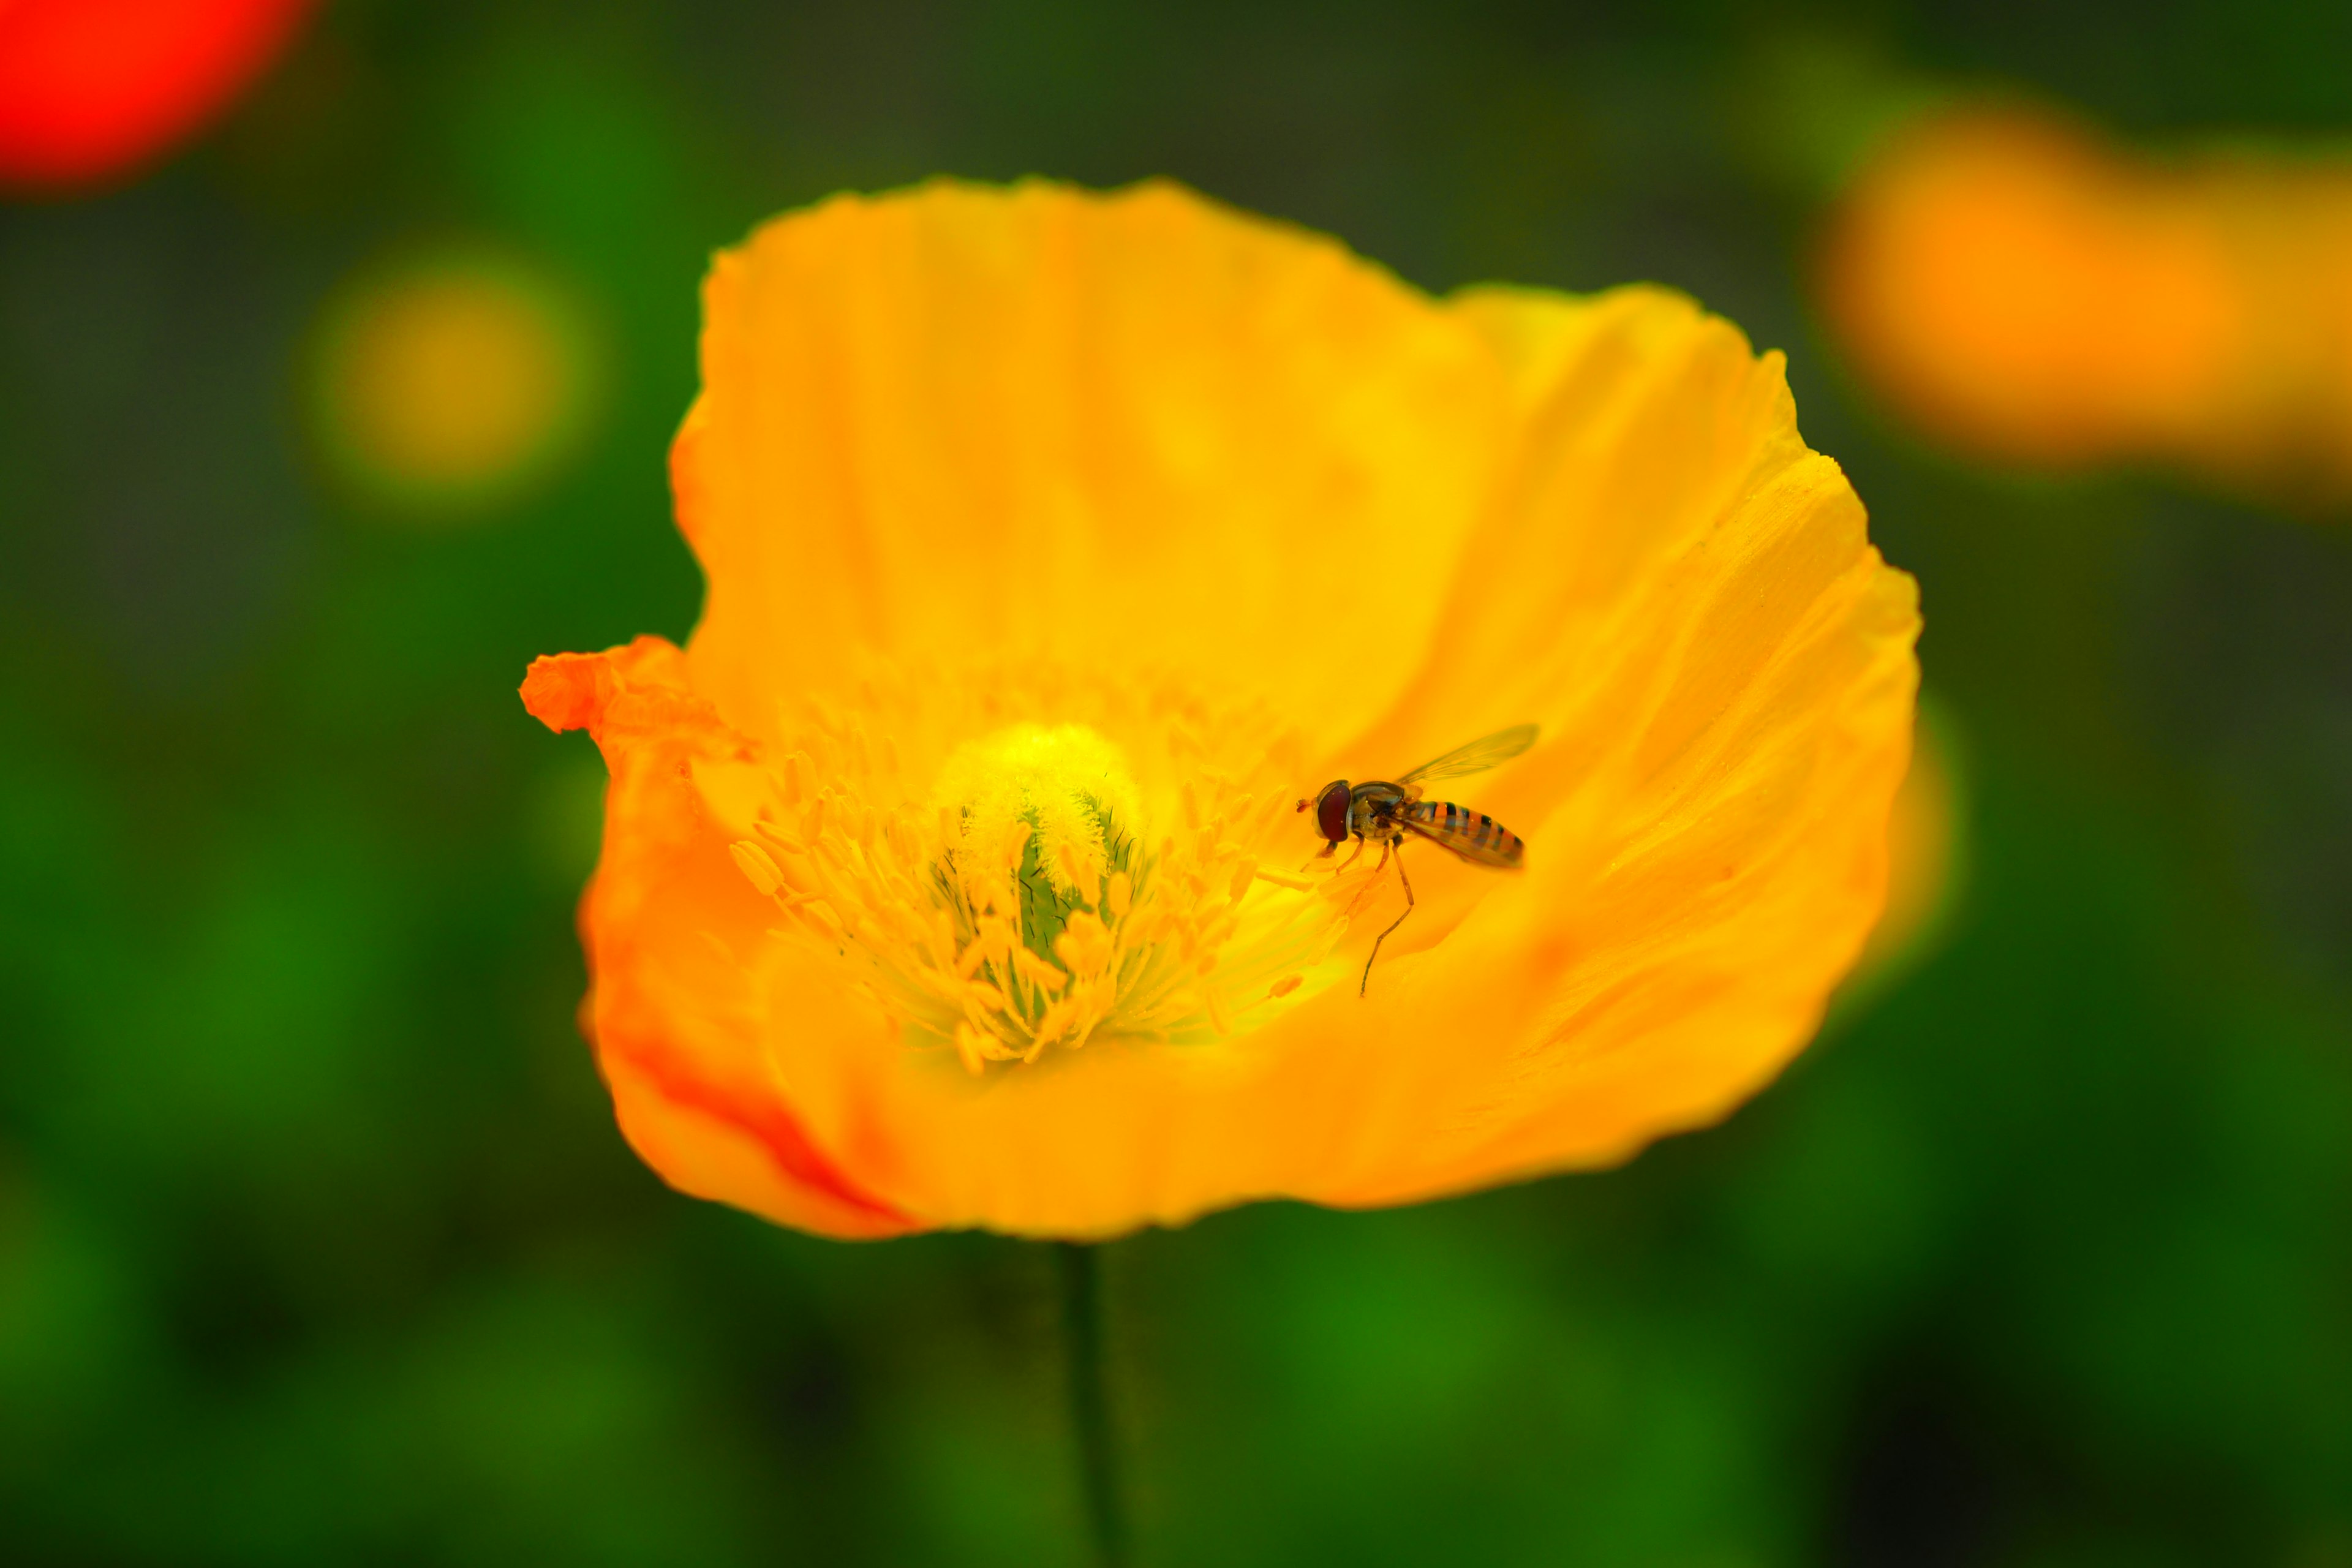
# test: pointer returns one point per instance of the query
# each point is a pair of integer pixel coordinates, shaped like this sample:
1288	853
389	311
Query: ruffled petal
675	1021
964	422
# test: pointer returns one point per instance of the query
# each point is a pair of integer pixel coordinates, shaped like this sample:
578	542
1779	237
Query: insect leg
1350	860
1396	844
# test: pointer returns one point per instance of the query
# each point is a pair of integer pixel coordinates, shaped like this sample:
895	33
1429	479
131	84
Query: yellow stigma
1001	888
1067	785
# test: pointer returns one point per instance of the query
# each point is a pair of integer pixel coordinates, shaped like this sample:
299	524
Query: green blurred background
318	1244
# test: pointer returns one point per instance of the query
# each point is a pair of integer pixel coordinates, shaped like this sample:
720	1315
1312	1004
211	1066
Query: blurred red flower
90	89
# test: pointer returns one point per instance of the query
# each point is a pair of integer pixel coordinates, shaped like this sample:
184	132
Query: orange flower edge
1056	543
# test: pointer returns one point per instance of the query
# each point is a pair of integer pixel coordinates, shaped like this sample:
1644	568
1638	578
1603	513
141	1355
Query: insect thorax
1375	809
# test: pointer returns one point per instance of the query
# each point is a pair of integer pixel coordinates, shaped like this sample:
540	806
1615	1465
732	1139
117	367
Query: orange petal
675	1021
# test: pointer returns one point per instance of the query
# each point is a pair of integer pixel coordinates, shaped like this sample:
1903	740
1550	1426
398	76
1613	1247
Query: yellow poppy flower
1057	543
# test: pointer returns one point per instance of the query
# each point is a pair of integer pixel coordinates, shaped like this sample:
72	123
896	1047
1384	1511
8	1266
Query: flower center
1030	861
1061	801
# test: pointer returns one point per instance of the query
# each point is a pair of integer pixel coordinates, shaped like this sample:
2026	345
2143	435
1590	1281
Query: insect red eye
1331	810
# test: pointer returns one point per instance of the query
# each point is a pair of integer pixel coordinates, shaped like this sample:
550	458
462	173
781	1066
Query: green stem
1079	1265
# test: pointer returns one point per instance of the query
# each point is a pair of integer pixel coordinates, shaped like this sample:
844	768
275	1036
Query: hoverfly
1381	812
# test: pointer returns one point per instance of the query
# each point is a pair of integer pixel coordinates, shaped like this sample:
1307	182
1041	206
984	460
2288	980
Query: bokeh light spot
452	381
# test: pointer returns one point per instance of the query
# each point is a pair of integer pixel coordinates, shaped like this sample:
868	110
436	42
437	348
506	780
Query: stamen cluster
1043	886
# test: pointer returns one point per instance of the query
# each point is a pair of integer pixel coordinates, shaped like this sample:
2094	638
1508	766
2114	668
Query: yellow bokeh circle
451	380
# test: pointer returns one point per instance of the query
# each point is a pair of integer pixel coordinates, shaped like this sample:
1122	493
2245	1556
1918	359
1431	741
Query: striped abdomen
1472	834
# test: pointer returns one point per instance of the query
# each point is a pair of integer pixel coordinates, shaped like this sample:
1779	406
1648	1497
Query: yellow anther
968	1043
1036	970
905	924
754	863
1083	946
1285	986
1119	895
1086	1030
775	834
1000	934
1243	875
1072	867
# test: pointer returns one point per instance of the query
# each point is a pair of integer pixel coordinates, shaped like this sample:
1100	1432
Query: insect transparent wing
1477	757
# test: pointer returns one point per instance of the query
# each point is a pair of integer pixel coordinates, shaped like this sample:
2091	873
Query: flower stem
1079	1265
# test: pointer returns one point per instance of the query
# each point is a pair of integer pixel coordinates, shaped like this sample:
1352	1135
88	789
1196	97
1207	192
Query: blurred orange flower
1055	544
2026	292
90	89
